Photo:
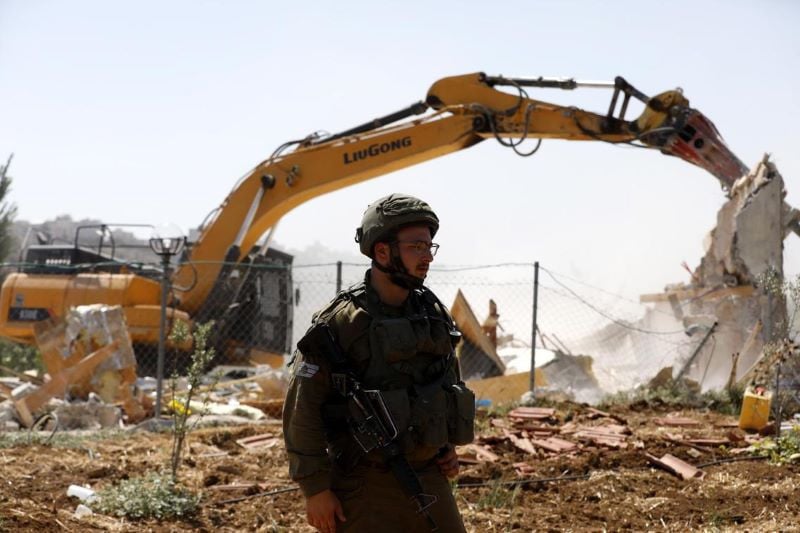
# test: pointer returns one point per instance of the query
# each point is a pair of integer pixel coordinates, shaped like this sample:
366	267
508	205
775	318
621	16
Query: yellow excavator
216	277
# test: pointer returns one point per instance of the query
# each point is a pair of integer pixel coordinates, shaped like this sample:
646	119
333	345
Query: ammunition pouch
398	404
460	414
428	425
433	416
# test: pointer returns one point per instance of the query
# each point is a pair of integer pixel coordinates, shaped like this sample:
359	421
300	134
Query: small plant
200	359
780	362
158	495
19	358
678	394
780	450
498	496
153	496
60	439
727	401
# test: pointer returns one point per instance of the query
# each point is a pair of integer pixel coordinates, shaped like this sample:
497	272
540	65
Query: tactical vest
411	361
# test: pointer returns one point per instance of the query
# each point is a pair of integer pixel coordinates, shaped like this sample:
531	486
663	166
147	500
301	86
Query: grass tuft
676	394
781	450
13	439
498	496
152	496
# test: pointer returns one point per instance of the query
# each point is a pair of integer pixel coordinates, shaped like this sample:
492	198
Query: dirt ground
620	490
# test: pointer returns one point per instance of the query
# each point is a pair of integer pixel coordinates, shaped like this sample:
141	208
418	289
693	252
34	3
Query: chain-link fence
509	286
628	342
261	309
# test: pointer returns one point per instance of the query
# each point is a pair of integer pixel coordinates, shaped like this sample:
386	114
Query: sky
149	112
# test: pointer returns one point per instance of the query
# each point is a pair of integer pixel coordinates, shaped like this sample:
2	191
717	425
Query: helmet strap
398	274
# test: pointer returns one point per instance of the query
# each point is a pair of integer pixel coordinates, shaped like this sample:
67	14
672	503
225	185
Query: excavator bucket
695	139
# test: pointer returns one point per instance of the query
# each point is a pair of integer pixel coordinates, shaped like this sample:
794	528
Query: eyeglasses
421	247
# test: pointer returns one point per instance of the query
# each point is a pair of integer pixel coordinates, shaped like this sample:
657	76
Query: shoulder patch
306	370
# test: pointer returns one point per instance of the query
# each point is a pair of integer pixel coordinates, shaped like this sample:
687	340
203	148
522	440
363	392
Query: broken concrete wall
746	245
748	242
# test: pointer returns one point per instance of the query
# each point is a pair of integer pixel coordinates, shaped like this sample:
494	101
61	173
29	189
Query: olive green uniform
407	353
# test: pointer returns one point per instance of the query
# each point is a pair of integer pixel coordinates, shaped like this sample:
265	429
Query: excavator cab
94	248
114	267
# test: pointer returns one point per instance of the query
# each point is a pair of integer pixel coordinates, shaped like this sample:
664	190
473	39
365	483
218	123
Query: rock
82	511
23	390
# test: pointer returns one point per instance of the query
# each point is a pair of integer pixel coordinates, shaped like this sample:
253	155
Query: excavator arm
458	112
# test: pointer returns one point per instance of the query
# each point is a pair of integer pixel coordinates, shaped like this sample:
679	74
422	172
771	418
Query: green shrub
677	394
19	357
153	496
780	450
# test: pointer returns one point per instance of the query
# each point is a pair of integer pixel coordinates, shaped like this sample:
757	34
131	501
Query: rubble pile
527	438
91	381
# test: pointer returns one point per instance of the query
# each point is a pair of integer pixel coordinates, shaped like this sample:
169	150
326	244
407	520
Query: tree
7	211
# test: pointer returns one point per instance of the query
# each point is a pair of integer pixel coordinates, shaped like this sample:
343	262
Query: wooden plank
468	324
746	348
676	421
272	408
257	441
481	454
21	375
24	413
693	294
677	439
597	413
58	384
49	335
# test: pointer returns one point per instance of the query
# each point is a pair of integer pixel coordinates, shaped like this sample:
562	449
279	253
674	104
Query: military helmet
389	214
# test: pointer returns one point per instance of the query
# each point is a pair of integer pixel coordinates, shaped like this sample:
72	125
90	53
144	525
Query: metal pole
777	397
696	351
338	276
161	332
534	327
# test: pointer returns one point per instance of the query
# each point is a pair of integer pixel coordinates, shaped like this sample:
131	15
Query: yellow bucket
755	409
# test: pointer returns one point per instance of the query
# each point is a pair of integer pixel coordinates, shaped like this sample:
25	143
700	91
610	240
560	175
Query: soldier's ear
383	253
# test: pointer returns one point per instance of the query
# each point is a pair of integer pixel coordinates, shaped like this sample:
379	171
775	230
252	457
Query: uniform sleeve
303	429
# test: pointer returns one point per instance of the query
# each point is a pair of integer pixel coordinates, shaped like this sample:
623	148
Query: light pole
166	247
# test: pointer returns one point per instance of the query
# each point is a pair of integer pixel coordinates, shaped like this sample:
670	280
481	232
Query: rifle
371	423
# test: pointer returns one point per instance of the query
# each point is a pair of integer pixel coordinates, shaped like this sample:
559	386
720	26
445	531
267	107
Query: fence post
338	276
533	328
779	402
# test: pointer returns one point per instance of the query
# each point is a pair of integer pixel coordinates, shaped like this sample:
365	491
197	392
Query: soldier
380	461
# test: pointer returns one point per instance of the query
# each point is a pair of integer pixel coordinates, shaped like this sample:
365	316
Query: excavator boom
458	112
